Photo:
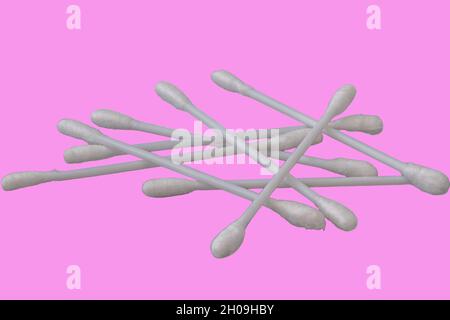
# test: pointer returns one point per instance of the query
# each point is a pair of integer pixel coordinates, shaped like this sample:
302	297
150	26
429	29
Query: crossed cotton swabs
228	241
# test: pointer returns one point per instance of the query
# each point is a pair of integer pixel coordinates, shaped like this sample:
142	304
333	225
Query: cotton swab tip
228	241
229	82
369	124
342	99
25	179
167	187
86	153
339	215
426	179
355	168
298	214
78	130
293	138
112	119
172	95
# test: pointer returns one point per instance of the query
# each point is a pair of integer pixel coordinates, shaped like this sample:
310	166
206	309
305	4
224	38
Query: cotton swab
231	238
343	166
363	123
295	213
18	180
170	187
86	153
338	214
111	119
426	179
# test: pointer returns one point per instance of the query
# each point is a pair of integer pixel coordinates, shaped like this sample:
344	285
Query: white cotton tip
341	99
354	168
25	179
78	130
360	123
338	214
86	153
229	82
426	179
298	214
112	119
228	240
172	95
168	187
293	138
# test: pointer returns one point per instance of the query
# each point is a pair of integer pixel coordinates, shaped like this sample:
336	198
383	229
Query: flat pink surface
131	246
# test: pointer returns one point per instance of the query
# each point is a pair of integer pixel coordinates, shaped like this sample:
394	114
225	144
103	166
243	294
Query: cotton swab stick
18	180
295	213
338	214
86	153
115	120
426	179
170	187
111	119
364	123
230	239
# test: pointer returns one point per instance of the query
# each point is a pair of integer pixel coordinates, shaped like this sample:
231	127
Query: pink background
131	246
